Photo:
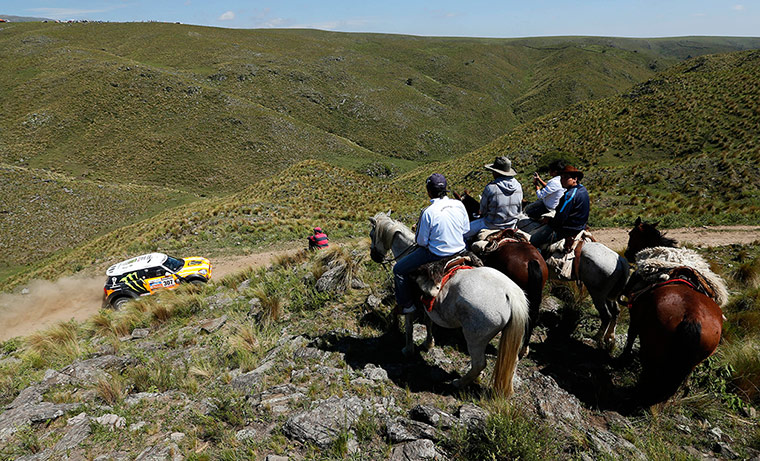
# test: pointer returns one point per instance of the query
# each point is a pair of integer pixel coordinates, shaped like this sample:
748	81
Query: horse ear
638	222
388	213
655	224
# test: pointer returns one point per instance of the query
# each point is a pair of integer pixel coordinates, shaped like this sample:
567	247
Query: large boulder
323	424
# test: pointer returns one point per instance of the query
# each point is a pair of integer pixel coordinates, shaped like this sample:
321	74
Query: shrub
508	435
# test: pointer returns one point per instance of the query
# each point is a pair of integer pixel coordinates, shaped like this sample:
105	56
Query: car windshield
174	264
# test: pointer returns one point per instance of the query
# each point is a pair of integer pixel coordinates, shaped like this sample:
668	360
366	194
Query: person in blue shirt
440	233
571	213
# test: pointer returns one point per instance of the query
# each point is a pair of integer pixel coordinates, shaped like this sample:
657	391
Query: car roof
133	264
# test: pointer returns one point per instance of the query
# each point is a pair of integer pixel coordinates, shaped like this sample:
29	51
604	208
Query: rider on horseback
548	193
571	213
440	231
501	202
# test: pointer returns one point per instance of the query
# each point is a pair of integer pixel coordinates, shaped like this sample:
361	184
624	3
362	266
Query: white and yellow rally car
149	273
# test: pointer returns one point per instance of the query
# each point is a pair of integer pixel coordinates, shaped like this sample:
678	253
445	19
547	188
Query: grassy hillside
43	212
682	147
166	103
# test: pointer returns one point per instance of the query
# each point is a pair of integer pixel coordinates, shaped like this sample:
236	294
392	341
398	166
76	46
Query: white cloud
227	16
738	7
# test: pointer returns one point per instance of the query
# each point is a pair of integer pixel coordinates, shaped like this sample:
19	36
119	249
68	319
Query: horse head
470	204
378	246
645	235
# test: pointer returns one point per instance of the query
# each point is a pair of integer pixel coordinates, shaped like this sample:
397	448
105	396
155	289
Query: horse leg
600	302
408	349
477	350
429	334
609	334
633	332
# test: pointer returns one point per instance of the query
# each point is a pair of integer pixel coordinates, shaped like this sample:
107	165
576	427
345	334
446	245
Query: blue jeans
543	235
404	287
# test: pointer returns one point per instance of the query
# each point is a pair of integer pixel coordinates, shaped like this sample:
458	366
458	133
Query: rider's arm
423	229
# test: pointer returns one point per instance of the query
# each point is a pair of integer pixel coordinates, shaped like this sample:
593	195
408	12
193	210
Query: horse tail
664	380
511	340
534	293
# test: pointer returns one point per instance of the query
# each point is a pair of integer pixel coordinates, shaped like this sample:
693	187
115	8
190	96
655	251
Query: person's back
319	240
442	226
504	203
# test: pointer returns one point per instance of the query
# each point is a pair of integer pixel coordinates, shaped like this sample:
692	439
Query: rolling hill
138	118
629	146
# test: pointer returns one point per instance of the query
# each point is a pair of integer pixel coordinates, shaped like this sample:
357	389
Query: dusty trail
79	297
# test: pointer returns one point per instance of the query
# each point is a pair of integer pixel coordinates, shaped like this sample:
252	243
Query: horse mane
658	263
386	227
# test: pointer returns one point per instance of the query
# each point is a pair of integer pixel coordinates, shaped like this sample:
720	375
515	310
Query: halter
387	260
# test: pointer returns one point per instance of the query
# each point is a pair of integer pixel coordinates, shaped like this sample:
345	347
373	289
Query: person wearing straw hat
501	201
572	211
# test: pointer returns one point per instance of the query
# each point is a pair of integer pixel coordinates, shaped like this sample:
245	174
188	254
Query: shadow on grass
384	351
585	371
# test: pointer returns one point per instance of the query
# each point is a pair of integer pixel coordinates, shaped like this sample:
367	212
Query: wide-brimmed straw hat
501	165
571	171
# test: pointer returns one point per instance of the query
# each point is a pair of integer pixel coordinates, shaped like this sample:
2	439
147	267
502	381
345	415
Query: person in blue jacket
571	213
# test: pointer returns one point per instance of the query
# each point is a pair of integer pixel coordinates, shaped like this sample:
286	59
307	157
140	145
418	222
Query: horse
603	272
520	261
677	325
482	301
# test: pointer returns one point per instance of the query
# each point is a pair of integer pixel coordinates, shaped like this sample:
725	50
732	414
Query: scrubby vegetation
186	368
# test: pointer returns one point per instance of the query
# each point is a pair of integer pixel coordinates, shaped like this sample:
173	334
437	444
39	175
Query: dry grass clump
347	261
111	389
58	343
744	358
271	304
748	272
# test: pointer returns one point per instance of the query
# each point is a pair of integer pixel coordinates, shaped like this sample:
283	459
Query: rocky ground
332	384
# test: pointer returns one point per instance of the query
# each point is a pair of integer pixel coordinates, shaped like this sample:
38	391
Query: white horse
482	301
604	273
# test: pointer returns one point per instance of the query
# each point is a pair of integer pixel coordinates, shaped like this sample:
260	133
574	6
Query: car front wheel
119	303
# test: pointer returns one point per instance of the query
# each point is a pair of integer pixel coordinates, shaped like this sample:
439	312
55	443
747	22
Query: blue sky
475	18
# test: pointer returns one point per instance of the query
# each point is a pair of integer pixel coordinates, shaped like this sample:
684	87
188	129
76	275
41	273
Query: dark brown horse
678	327
521	262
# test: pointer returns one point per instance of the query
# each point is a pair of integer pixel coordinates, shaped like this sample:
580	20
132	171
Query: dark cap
436	183
317	229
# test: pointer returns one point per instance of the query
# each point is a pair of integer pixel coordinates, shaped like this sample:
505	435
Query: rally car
149	273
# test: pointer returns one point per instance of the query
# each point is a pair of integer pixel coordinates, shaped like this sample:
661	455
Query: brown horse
521	262
678	327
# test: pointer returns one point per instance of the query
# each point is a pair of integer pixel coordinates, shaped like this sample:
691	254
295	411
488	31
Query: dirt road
48	303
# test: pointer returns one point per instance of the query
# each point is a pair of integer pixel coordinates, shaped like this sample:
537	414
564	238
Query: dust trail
49	303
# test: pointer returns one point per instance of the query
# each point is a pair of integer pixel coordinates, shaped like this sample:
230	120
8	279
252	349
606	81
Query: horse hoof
457	383
523	352
426	346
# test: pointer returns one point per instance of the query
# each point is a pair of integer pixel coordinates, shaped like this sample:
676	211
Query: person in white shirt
548	193
440	233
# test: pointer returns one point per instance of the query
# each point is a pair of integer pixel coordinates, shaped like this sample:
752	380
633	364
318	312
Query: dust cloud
48	303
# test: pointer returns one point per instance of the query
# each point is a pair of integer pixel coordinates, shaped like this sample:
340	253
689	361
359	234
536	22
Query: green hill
187	112
683	147
166	103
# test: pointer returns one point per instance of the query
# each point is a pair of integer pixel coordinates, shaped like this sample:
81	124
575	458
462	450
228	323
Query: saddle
489	241
566	255
638	285
433	276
